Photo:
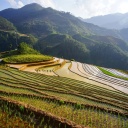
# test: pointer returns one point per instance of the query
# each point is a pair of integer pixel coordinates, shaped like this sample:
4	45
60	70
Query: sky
79	8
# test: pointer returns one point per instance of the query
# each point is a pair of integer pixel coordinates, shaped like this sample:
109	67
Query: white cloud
123	7
89	8
82	8
20	4
15	4
44	3
12	2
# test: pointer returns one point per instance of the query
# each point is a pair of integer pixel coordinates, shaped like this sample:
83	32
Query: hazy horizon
79	8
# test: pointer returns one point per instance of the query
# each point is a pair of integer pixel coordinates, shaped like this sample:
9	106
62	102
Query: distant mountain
124	34
39	21
110	21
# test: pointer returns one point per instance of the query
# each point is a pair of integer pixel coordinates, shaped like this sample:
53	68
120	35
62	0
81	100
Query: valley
58	71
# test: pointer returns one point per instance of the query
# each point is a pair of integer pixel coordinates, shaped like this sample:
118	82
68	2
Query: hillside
25	54
99	50
106	51
41	21
6	25
124	33
63	46
55	33
9	40
110	21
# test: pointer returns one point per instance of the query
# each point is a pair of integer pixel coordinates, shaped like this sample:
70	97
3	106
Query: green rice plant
78	106
65	90
22	108
111	74
61	102
26	58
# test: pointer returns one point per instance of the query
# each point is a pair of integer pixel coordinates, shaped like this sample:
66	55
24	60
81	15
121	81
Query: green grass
111	74
26	58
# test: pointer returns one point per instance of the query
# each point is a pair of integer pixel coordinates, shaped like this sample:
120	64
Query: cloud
47	3
89	8
15	4
80	8
20	4
44	3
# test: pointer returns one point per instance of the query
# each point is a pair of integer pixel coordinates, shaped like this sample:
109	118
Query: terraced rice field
46	68
116	83
86	77
81	99
116	72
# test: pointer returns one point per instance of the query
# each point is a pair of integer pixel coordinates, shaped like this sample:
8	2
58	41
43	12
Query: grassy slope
111	74
26	58
26	54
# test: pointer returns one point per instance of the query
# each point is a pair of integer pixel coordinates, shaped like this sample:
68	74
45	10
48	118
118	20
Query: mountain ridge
52	21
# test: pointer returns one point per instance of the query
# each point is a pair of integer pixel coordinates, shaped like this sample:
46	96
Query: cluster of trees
24	48
10	40
102	51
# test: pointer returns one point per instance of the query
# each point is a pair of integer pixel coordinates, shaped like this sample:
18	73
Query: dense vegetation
53	31
10	40
63	46
99	50
6	25
24	48
106	51
26	54
34	19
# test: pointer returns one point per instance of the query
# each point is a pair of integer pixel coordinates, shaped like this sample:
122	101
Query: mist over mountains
61	34
110	21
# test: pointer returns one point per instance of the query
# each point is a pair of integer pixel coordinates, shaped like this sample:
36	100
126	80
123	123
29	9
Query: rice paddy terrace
63	94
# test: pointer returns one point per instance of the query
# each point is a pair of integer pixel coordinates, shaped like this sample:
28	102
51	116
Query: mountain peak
33	6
